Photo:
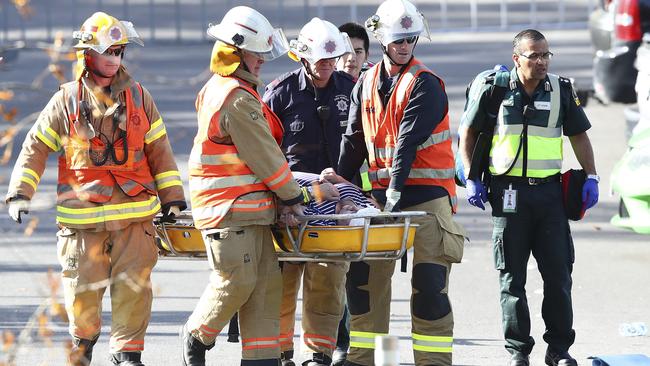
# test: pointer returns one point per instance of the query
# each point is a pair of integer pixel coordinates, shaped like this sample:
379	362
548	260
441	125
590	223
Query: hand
289	214
392	200
169	216
476	193
17	207
329	175
325	192
589	193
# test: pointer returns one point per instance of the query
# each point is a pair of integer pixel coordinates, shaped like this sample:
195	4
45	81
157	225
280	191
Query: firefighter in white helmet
312	102
236	167
116	171
399	122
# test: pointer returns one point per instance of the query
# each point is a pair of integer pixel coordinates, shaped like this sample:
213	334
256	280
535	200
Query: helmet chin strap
390	59
308	70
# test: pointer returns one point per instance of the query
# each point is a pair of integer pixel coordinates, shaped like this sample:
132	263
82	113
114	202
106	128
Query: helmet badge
115	33
330	46
237	39
406	22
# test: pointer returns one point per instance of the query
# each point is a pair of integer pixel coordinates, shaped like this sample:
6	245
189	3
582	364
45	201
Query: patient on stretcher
351	199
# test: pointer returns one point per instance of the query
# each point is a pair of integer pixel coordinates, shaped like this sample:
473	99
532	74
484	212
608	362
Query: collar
121	81
304	83
247	77
545	85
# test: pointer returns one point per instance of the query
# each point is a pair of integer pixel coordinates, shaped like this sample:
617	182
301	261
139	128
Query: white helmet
319	40
397	19
101	31
247	29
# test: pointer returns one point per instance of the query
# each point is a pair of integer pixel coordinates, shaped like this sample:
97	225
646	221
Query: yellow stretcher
306	242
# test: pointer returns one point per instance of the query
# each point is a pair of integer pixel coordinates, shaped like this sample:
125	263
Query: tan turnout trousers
121	260
245	278
322	307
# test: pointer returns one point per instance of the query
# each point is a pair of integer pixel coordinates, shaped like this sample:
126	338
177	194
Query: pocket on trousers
453	238
497	242
67	251
226	253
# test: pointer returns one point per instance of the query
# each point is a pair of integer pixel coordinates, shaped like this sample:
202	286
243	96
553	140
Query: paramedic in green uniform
525	190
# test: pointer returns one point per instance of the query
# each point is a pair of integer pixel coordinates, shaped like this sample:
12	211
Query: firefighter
312	102
399	122
106	130
236	166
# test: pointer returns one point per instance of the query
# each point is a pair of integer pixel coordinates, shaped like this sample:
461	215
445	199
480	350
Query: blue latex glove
476	193
590	193
499	67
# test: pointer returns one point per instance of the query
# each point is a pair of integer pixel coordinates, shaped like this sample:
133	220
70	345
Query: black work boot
318	359
286	358
81	352
555	358
193	349
339	356
126	359
519	359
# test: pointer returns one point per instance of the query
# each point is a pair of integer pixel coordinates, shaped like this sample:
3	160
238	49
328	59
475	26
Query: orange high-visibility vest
218	176
79	176
434	159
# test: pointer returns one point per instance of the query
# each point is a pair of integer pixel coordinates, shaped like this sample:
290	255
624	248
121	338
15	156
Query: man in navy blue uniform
312	102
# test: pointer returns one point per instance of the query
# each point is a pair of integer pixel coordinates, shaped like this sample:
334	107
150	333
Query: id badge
510	200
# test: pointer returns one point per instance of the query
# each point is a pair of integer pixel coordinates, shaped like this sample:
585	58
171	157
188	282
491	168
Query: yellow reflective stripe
363	339
437	344
168	179
30	177
138	209
166	174
52	140
156	131
29	181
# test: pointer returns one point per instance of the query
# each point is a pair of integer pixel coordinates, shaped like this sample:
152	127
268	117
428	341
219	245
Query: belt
527	180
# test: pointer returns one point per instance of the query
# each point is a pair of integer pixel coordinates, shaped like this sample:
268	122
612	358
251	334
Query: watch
595	177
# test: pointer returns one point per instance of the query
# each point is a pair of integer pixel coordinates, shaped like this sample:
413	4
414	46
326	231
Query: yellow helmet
101	31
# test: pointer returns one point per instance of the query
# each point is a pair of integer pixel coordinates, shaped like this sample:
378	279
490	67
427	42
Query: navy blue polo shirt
311	144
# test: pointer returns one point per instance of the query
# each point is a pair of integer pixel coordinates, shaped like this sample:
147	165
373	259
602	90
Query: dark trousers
343	337
539	226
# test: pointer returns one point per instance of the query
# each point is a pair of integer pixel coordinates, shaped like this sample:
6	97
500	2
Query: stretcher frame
295	236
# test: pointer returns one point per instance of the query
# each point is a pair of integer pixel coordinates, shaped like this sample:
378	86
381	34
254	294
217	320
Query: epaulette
280	79
568	83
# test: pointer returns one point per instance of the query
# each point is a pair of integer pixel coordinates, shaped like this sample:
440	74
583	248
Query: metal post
5	22
100	4
353	11
473	11
125	5
533	12
23	30
204	23
306	10
73	13
503	9
48	21
386	351
320	11
443	14
177	4
561	9
152	21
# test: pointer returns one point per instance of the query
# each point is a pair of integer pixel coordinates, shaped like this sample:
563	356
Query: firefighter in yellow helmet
116	171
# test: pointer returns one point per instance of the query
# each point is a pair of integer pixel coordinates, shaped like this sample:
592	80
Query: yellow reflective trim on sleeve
32	173
29	181
166	174
46	141
55	135
170	184
158	125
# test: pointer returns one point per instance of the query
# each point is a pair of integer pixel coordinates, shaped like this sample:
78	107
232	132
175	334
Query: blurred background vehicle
616	28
